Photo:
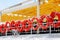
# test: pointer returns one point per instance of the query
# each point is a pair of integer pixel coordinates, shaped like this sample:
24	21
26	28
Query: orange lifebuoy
27	25
36	25
41	22
19	26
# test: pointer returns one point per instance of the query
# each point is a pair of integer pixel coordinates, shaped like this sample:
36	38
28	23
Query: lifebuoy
46	25
13	27
35	26
49	20
19	26
2	29
56	24
58	14
27	25
7	26
53	14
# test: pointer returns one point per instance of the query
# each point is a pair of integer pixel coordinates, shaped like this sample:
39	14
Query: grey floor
32	37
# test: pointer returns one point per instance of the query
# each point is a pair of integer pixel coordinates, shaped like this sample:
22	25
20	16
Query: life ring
49	20
7	26
46	25
35	26
58	14
27	25
13	27
19	26
52	15
56	24
2	29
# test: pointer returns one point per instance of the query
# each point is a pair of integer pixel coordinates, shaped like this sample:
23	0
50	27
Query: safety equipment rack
32	26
